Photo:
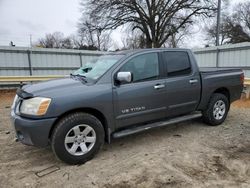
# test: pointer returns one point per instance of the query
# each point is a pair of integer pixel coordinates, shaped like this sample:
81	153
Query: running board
142	128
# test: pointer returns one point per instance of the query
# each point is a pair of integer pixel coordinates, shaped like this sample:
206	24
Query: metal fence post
80	54
217	56
29	60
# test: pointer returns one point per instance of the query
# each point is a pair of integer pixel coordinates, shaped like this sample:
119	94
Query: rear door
182	83
143	99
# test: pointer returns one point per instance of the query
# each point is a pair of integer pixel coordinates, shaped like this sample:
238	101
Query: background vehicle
124	93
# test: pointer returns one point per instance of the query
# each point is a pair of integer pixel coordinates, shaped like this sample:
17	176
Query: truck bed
227	79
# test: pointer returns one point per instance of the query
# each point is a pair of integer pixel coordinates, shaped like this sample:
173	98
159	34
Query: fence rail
28	78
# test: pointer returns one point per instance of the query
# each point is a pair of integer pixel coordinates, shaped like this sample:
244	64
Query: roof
126	52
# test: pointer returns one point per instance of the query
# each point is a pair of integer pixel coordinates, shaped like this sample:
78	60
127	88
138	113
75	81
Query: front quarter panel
98	97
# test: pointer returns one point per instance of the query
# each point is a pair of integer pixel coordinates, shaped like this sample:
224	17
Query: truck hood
54	87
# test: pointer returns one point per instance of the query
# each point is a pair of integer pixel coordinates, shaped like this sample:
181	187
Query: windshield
96	68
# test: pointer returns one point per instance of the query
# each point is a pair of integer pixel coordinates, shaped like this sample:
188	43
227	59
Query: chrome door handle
159	86
192	81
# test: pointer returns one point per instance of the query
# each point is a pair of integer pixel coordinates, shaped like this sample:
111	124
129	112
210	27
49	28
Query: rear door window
177	63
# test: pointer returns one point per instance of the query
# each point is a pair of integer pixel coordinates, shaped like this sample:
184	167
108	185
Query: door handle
159	86
192	81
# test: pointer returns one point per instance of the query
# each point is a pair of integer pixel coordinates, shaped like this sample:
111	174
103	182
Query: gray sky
20	18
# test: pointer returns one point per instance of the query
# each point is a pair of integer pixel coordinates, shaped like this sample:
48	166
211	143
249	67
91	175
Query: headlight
35	106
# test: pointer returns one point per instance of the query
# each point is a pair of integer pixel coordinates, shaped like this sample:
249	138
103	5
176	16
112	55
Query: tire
78	145
212	115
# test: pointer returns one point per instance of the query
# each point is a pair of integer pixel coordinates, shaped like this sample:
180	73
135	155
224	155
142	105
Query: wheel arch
100	116
224	91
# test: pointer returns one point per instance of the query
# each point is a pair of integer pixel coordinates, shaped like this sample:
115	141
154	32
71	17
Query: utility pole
30	56
218	23
30	40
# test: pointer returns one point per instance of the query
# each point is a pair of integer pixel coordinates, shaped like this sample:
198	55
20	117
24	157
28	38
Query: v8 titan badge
133	109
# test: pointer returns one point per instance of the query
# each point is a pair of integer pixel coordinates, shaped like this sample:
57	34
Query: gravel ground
189	154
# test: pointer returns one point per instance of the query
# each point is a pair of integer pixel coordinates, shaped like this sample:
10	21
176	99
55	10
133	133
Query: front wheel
217	109
77	138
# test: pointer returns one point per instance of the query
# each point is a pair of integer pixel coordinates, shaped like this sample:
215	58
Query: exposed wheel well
223	91
91	111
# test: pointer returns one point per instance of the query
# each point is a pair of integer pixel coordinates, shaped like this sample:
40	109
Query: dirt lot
189	154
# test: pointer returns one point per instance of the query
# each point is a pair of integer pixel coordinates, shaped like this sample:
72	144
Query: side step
138	129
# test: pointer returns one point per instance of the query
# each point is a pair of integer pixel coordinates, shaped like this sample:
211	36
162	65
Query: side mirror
124	77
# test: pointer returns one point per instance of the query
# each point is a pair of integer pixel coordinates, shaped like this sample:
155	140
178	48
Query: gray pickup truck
121	94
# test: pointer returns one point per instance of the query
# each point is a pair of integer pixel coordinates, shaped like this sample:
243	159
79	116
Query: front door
141	100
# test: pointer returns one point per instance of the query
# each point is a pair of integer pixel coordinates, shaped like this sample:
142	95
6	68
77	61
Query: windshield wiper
82	77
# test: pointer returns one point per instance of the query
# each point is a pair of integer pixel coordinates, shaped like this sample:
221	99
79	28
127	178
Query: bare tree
136	39
78	41
67	43
230	33
133	39
237	34
94	33
211	31
55	40
242	15
176	39
158	20
235	26
47	42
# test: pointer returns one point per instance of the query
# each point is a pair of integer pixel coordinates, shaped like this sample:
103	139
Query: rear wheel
77	138
217	109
